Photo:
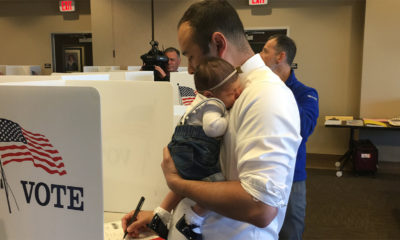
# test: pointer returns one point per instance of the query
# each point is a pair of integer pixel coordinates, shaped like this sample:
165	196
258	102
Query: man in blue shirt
278	54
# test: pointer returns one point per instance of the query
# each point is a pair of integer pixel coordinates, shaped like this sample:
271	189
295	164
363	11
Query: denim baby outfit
195	154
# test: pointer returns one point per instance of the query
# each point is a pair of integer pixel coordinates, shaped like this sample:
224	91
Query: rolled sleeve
267	148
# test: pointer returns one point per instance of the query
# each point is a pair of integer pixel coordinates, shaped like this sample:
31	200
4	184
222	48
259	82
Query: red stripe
37	165
34	134
46	150
12	147
50	163
43	144
37	139
55	159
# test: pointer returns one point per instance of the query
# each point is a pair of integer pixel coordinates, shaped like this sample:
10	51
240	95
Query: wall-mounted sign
258	2
67	6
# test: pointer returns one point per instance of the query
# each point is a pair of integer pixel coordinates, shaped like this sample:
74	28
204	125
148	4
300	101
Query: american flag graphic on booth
19	145
187	95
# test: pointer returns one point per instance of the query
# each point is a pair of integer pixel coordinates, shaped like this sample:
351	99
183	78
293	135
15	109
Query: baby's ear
208	94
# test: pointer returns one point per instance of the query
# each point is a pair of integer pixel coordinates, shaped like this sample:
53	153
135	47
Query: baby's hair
211	72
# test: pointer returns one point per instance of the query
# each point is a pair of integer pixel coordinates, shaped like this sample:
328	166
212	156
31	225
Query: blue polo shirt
307	102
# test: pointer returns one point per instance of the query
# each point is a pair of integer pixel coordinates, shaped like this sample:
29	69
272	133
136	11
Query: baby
196	141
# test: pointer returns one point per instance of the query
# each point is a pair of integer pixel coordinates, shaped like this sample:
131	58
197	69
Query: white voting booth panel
23	70
118	75
140	76
134	68
136	125
27	78
137	122
52	163
86	77
100	68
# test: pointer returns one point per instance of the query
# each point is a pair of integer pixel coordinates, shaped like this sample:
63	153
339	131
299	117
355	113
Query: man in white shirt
260	146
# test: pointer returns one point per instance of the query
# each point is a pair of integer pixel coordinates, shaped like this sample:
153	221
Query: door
258	37
71	51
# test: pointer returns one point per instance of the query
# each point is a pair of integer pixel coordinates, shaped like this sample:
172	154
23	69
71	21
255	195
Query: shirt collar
253	63
291	79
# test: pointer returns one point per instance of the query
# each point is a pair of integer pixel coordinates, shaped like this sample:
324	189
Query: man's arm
163	74
221	197
309	111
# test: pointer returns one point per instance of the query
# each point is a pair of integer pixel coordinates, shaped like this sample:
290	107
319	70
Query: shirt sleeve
214	121
309	111
268	140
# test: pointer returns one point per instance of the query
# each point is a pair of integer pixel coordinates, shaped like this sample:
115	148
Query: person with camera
174	60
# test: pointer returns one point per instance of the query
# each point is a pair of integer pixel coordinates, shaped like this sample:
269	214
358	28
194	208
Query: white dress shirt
259	150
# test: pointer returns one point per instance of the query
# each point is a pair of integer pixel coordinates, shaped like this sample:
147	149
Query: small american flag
20	145
187	95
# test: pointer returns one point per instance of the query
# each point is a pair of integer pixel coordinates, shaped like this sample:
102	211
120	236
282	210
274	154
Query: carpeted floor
352	207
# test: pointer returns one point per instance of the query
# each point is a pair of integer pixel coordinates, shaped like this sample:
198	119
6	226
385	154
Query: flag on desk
187	95
19	145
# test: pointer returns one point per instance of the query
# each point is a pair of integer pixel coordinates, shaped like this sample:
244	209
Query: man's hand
170	172
139	225
160	70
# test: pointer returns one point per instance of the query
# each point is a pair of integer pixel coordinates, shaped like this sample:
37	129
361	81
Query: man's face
189	49
173	61
269	54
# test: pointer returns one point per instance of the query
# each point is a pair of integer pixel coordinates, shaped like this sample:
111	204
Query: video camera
154	57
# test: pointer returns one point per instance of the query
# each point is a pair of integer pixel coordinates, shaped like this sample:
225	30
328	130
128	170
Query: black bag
365	157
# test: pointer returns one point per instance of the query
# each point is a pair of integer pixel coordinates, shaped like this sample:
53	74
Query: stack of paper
333	121
368	122
113	231
336	120
356	122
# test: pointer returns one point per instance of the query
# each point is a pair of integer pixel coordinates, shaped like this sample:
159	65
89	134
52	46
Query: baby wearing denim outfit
195	144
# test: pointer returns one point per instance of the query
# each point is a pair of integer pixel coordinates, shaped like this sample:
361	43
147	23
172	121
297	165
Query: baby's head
217	78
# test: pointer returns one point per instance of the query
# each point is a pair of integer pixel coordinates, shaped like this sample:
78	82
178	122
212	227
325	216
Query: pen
137	210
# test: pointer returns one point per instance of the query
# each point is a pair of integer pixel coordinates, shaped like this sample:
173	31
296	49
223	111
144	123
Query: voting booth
100	68
139	76
23	70
51	163
137	122
27	78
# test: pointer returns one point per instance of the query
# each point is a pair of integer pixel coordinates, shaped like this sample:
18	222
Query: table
348	155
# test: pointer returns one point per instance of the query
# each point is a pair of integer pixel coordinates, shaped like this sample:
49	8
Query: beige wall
380	88
26	28
329	36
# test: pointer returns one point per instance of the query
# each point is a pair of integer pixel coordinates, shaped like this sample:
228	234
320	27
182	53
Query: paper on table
357	122
113	231
333	122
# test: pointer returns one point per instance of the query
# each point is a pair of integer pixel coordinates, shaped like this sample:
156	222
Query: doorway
71	51
258	37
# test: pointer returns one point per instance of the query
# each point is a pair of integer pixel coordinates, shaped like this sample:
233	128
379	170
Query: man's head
174	59
212	28
279	50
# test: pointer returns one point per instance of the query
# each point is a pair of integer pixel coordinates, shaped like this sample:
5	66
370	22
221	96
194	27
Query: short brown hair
211	71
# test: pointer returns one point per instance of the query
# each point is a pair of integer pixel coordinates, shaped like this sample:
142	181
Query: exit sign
258	2
67	6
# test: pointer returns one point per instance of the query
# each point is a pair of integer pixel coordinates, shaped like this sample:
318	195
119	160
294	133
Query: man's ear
281	57
208	94
218	44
